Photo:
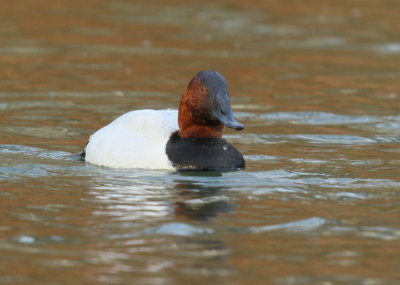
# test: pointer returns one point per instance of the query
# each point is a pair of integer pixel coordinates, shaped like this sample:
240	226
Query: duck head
205	107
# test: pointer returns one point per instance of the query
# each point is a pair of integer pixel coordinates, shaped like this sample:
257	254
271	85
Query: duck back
134	140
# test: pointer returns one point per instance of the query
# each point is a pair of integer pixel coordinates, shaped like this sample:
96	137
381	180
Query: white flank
134	140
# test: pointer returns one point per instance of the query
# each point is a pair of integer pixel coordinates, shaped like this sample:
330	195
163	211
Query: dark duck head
205	107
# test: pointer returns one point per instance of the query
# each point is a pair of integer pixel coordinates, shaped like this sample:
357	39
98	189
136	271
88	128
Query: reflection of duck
199	202
166	139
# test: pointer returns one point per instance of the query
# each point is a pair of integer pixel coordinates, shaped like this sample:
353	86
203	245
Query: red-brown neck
194	113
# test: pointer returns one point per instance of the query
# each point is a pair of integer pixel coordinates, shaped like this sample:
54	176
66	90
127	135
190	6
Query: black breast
203	154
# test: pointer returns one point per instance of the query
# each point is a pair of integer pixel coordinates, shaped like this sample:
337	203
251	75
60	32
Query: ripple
387	48
27	50
335	139
380	233
296	226
140	50
32	151
207	200
179	229
261	158
24	161
390	127
26	170
318	118
348	196
310	138
300	185
278	30
38	132
173	229
74	95
26	240
349	183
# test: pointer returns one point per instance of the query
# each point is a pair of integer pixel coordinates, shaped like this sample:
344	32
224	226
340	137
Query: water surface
316	85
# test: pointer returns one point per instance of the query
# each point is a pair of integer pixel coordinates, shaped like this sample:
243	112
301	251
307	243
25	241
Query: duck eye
203	89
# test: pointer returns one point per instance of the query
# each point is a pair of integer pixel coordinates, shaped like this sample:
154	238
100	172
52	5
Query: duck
187	139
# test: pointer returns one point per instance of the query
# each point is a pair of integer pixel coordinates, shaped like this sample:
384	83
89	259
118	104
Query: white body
136	139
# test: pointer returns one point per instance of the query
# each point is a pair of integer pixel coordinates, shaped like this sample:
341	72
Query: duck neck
191	126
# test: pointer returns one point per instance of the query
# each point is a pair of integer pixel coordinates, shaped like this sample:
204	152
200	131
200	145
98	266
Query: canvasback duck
188	139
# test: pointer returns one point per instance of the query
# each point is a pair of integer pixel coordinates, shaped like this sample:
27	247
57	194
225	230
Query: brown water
316	83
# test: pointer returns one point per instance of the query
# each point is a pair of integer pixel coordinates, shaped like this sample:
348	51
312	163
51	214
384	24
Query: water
316	86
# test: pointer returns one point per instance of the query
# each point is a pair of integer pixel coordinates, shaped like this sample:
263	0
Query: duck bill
222	111
229	121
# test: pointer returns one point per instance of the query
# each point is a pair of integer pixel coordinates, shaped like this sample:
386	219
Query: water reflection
155	222
200	201
141	195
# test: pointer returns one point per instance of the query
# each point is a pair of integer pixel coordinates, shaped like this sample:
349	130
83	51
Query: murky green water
317	86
